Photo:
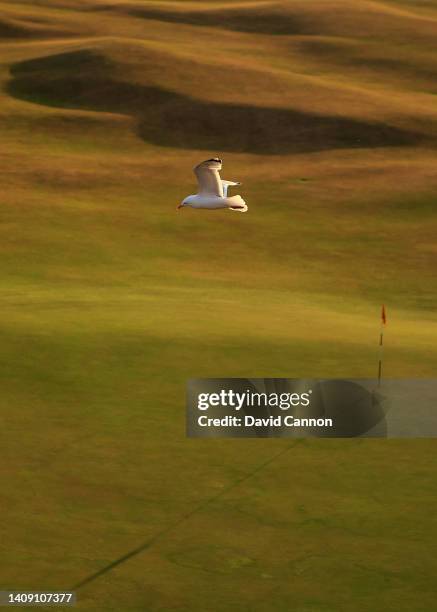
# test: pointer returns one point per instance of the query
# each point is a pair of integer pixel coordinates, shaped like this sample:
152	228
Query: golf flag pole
381	343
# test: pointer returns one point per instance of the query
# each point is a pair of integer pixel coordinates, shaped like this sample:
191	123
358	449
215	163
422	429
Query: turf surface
327	113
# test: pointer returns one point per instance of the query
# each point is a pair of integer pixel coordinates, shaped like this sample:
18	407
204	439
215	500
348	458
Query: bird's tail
244	208
237	203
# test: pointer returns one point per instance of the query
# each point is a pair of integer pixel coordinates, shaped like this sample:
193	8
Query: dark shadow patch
88	80
8	29
254	20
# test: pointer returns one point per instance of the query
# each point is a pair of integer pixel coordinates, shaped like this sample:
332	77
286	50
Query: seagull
213	192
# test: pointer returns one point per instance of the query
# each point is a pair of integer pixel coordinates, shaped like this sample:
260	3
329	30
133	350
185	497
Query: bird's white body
213	192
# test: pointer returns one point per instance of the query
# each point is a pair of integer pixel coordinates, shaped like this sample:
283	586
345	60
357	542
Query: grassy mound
365	20
14	28
88	79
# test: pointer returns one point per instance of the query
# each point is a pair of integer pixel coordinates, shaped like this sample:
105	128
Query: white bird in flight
213	192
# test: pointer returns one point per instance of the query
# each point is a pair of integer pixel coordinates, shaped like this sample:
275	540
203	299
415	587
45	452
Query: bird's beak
178	206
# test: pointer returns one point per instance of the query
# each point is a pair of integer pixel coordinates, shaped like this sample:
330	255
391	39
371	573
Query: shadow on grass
251	20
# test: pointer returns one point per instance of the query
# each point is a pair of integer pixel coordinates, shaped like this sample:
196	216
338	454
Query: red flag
383	316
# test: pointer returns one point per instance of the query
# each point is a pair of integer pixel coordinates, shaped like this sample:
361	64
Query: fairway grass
111	299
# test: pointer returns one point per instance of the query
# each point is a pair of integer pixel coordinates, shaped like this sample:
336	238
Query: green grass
111	300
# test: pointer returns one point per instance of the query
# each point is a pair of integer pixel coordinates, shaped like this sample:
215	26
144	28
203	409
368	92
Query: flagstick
381	347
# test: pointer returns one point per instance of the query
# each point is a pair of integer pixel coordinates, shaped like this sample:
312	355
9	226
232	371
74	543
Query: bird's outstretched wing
227	184
208	177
